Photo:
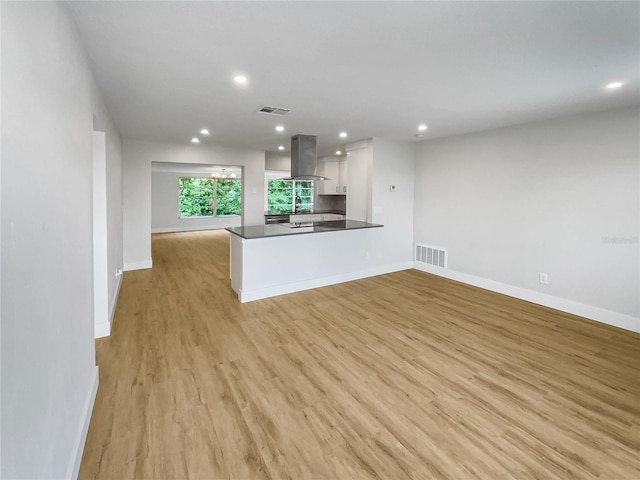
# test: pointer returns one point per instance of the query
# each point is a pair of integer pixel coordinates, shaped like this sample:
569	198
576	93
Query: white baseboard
114	300
128	266
104	329
598	314
74	462
257	294
193	228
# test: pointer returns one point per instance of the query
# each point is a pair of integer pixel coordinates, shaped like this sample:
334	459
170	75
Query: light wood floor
405	375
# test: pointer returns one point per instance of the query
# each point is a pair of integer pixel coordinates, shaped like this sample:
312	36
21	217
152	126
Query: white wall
393	164
540	197
114	211
277	161
136	185
48	377
107	213
359	171
165	211
100	229
372	166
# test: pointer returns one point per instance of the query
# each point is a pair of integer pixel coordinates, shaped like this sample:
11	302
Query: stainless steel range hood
304	158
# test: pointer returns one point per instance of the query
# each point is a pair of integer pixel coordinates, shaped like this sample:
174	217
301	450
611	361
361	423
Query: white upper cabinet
331	170
359	201
343	176
336	171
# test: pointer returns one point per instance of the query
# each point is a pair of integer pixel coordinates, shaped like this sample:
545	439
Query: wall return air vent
276	111
431	255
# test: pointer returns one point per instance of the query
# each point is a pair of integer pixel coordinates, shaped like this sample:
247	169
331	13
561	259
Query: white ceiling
373	69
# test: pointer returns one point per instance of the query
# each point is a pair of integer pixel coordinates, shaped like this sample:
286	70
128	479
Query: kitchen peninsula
270	260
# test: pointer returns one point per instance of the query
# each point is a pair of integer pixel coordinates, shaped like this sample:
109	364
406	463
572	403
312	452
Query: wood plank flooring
401	376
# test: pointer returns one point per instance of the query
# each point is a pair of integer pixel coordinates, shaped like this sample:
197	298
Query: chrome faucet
297	203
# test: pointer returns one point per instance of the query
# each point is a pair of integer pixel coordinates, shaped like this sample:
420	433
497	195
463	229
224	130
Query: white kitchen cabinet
360	155
343	177
336	171
306	217
314	217
331	169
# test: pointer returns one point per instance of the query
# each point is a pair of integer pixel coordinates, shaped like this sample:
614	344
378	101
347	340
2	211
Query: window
281	195
228	196
206	197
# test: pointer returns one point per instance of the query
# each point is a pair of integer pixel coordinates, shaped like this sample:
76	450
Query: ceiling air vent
277	111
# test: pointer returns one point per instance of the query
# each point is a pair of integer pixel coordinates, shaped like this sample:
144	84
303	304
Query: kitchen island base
271	266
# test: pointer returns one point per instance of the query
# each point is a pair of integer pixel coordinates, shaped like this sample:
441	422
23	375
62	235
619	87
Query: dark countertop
283	229
315	212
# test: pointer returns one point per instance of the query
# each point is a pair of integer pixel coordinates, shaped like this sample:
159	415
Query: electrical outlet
544	278
392	188
118	272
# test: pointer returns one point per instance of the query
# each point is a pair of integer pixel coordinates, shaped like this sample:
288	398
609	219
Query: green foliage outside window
281	195
201	197
196	197
228	197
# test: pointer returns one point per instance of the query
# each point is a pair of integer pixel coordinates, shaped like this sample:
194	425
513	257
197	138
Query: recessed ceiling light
338	152
195	140
343	134
614	85
240	79
279	128
204	131
281	147
422	127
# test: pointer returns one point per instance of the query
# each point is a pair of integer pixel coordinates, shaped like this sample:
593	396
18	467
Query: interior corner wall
393	164
136	206
49	377
165	211
114	208
113	220
136	185
374	165
560	197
